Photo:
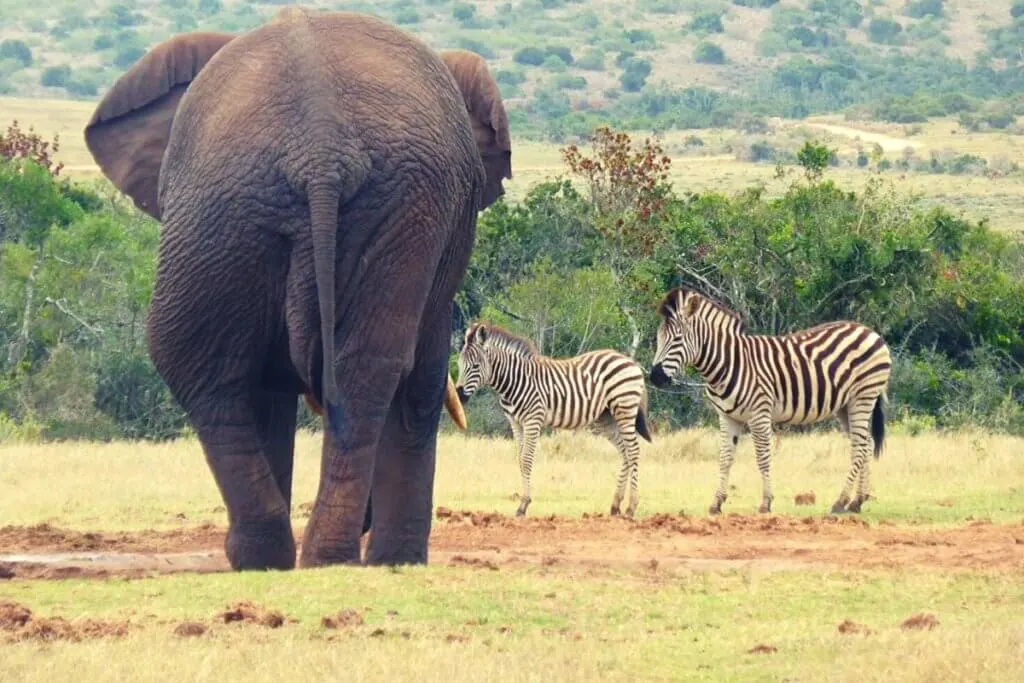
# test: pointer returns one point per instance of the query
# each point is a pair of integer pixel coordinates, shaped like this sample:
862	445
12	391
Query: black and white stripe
602	390
836	369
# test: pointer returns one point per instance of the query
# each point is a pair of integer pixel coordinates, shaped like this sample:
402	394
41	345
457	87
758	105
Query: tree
629	195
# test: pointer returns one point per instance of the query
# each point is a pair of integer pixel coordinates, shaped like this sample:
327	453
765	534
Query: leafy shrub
463	11
530	55
128	56
509	77
1017	9
407	16
210	7
760	4
17	51
554	63
708	53
706	22
55	76
885	31
103	41
569	82
641	39
918	9
561	52
477	46
592	60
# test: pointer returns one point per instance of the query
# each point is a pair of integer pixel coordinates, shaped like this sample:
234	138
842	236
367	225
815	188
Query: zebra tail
641	420
878	426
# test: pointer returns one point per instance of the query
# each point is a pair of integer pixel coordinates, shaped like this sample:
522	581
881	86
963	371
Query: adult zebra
839	368
603	390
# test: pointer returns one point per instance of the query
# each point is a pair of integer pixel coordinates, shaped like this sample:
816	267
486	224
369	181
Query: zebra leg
729	431
859	418
761	433
620	484
529	445
863	487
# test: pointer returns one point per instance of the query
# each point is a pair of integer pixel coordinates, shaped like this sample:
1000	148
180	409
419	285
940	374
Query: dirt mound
848	627
805	498
18	623
343	619
251	613
920	622
187	629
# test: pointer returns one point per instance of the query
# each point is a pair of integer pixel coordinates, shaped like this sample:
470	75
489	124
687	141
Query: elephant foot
839	507
411	551
263	544
766	505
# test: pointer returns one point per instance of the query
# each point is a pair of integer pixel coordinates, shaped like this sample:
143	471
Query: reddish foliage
628	186
18	144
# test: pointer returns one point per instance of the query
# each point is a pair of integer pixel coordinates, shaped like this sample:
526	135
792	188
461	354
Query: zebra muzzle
658	376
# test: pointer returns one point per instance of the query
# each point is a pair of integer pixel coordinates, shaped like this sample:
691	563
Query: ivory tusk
451	403
454	405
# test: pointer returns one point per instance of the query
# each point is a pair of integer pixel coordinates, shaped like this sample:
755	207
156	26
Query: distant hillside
564	64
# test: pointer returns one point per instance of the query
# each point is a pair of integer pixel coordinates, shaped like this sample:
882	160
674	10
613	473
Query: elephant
317	181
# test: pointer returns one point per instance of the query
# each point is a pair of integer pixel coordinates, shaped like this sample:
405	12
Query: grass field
1000	199
557	596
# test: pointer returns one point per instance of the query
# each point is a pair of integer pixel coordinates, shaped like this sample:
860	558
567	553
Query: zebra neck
508	372
719	361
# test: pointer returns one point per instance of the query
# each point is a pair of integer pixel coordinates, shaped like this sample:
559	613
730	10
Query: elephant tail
323	214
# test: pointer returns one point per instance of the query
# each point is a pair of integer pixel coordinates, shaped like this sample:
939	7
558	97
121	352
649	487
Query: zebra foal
603	390
839	368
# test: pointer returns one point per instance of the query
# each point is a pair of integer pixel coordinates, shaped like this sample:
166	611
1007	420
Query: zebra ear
481	334
690	306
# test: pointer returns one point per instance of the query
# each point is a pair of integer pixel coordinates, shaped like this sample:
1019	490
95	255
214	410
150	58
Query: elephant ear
130	128
487	114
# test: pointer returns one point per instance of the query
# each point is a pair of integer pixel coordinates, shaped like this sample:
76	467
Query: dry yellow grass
935	478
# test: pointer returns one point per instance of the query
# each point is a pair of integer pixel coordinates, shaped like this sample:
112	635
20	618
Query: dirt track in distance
494	541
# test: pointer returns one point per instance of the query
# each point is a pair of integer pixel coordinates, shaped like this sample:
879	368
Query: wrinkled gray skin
317	181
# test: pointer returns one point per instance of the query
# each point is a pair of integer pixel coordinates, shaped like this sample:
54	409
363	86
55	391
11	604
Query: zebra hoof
614	512
854	507
765	508
630	513
715	509
839	508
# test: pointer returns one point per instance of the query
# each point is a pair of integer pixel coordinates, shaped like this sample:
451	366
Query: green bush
1017	9
463	11
918	9
570	82
407	16
530	56
885	31
17	51
592	60
760	4
477	46
128	56
706	22
55	76
708	53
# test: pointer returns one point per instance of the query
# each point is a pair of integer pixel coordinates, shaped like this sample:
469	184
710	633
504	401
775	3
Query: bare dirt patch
18	623
847	628
190	629
346	618
492	541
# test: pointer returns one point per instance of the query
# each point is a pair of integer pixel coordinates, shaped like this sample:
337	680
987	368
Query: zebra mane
520	346
674	297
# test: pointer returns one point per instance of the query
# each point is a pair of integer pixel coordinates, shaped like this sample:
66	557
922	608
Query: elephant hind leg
236	447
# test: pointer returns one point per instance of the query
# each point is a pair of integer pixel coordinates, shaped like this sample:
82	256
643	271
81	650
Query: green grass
540	625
